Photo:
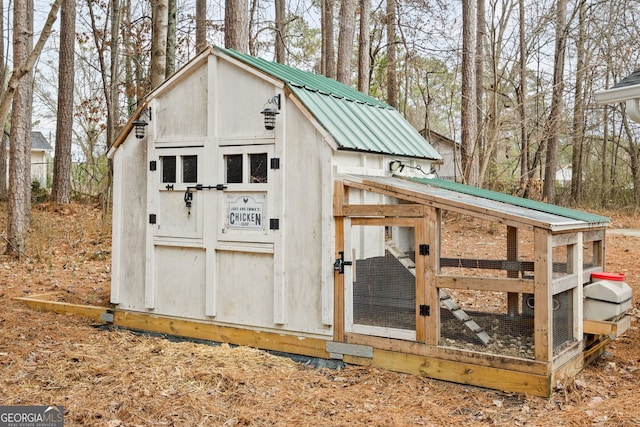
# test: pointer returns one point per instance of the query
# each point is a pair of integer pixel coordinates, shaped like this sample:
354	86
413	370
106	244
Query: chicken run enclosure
513	300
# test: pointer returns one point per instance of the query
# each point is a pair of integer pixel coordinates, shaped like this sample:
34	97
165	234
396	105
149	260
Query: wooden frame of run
471	367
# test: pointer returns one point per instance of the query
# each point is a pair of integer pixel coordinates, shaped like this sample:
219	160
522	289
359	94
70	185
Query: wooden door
383	285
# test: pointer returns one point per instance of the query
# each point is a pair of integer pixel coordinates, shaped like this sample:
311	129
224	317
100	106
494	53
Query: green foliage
303	44
38	193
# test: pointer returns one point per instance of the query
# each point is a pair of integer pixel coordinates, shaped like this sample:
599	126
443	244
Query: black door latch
340	263
188	195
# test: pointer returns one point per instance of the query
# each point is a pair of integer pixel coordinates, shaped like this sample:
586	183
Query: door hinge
152	165
275	163
425	310
274	224
424	249
152	218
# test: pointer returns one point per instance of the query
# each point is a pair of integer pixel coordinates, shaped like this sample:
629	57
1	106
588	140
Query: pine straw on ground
109	377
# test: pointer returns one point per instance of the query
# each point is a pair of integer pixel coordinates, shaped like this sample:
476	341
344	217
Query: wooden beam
463	373
404	210
294	344
41	303
338	285
565	283
422	270
593	235
382	222
543	311
338	198
611	329
459	355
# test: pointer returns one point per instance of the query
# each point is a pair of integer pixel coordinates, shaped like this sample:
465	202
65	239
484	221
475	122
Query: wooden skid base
538	384
41	303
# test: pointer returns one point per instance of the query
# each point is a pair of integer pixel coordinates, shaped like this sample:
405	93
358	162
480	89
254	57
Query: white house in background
449	167
40	147
563	175
626	90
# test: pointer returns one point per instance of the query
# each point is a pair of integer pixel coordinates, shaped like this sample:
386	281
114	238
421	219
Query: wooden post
577	259
431	232
338	282
543	337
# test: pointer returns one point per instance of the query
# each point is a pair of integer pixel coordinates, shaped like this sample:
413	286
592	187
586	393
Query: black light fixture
396	166
140	123
271	108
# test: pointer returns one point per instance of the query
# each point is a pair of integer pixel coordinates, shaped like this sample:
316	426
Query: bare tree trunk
578	108
345	40
61	191
171	38
553	123
392	73
364	47
19	204
468	114
160	17
3	76
481	141
328	65
20	70
281	13
201	25
111	91
522	108
251	32
236	25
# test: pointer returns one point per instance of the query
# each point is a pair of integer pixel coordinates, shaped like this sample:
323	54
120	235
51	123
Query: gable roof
357	122
38	141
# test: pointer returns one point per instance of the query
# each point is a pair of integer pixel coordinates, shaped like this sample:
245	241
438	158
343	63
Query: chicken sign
245	211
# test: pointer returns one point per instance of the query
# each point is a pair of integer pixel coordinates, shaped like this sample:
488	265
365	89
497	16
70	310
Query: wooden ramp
445	300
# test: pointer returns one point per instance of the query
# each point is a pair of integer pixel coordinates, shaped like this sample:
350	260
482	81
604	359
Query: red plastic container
615	277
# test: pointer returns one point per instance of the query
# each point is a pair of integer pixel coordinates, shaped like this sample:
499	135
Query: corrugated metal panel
516	201
304	79
356	126
489	203
355	121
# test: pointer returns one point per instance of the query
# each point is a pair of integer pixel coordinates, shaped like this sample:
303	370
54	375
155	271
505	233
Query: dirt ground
118	378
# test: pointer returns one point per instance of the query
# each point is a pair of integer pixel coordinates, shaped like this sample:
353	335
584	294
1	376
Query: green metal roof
513	200
356	121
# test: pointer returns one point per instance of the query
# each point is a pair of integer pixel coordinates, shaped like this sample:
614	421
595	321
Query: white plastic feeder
607	297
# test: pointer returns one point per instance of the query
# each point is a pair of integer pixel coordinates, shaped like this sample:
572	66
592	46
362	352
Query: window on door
254	163
185	167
